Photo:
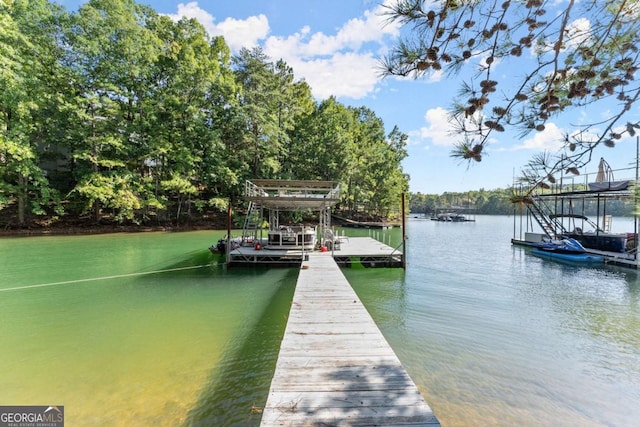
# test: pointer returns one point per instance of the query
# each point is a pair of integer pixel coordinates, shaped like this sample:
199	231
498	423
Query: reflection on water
162	334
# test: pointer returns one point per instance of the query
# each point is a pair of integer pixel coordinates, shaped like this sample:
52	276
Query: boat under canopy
559	211
595	237
292	237
277	196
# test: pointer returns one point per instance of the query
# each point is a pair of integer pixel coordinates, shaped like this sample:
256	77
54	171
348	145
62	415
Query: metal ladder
551	227
252	222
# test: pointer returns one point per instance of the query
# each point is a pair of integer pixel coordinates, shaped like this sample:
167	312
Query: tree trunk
22	196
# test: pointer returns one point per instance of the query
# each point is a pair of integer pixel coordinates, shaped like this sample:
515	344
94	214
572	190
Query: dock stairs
252	224
543	215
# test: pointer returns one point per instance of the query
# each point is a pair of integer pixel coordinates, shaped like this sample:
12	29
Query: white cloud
373	28
438	129
341	64
550	139
244	33
343	74
578	32
191	10
442	129
436	76
325	65
237	33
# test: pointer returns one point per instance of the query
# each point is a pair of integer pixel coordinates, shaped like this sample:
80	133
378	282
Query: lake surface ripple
496	336
149	328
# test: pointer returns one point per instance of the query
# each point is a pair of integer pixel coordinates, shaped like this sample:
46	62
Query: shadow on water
628	275
236	391
200	261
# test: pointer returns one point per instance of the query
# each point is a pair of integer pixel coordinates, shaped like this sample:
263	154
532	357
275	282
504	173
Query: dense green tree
500	202
193	86
263	102
348	145
27	62
111	57
322	142
375	170
119	113
301	106
392	182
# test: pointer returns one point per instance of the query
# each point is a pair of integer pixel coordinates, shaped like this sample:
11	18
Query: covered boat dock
561	212
290	245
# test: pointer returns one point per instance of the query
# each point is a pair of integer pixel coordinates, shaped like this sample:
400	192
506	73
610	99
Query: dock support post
228	245
636	205
404	237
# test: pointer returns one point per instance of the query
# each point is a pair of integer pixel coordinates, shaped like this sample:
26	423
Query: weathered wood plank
364	246
313	380
335	366
320	348
353	399
329	373
335	389
292	362
290	416
329	328
328	417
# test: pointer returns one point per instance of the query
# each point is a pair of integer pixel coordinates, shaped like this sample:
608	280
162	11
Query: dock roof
292	194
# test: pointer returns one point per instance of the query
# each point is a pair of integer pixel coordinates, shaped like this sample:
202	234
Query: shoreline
100	229
80	227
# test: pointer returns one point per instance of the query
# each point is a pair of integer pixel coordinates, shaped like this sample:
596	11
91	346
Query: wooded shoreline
115	109
99	229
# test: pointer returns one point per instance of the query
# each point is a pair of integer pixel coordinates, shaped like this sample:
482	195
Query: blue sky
334	46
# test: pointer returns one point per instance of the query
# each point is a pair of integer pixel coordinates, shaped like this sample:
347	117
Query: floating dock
366	250
335	367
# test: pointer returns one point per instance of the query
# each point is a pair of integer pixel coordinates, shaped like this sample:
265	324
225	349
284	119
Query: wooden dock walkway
335	367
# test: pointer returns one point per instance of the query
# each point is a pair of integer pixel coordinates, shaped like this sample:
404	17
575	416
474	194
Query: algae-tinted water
148	329
137	329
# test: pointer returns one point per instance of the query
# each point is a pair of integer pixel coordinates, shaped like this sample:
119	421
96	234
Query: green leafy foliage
117	113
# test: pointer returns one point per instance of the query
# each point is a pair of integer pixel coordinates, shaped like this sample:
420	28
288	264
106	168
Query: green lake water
137	329
149	329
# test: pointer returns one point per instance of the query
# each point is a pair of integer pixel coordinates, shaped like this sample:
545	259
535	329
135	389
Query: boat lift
560	213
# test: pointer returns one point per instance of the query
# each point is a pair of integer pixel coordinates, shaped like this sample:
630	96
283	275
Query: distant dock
350	223
335	367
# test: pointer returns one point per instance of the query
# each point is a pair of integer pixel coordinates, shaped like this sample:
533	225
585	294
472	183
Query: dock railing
571	183
293	189
252	190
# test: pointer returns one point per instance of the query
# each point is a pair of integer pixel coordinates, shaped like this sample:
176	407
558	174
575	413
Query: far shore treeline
116	114
499	202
